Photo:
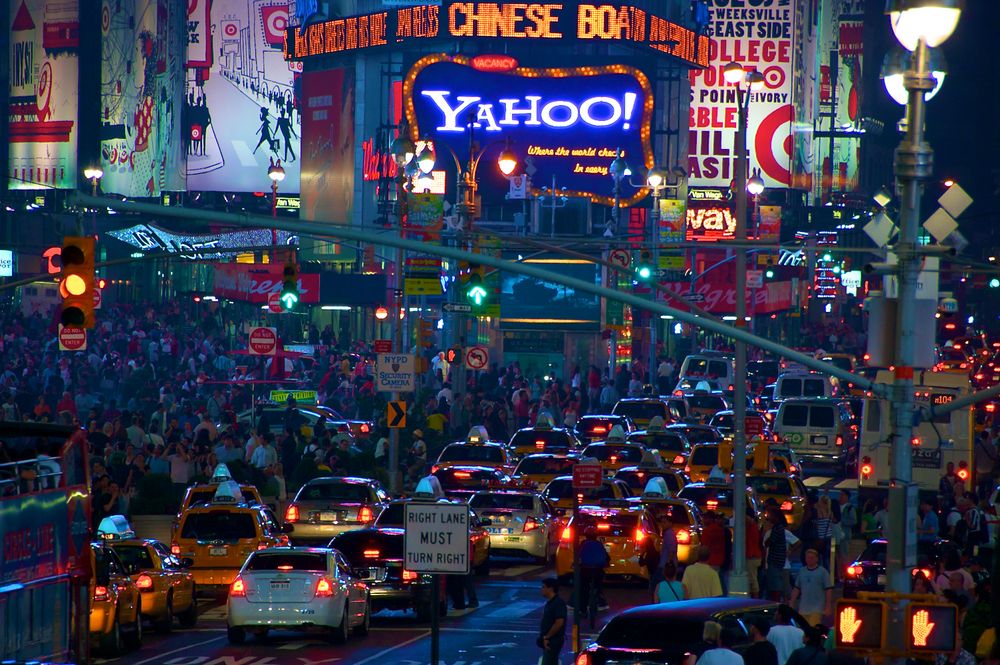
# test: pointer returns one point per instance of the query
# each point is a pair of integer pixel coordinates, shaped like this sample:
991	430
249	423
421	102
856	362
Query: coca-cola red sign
719	296
255	282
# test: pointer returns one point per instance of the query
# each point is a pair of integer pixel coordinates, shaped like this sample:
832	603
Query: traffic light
453	355
475	292
769	273
931	627
290	286
644	268
425	333
860	625
76	285
995	283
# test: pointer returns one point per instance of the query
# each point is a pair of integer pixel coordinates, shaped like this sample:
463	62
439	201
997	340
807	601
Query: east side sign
568	122
624	24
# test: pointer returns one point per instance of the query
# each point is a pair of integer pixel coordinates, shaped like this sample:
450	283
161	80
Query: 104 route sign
436	538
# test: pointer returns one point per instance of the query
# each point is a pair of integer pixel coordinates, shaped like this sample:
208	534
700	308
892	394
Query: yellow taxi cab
476	450
637	477
627	531
787	491
666	509
165	585
219	535
115	604
560	492
672	445
203	493
706	456
544	437
541	468
766	456
642	410
716	495
613	456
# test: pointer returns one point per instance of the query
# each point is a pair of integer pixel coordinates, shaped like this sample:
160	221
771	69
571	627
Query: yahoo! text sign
568	121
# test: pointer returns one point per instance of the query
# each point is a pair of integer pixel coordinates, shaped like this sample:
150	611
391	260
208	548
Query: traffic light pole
913	165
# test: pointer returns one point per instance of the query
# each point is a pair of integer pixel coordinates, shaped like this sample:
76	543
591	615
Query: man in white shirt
785	637
724	654
265	455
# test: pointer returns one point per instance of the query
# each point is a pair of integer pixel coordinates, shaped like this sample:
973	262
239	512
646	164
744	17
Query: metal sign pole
435	619
576	580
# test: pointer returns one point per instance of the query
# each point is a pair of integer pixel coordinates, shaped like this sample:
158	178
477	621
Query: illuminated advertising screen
44	80
715	223
241	105
759	37
142	59
527	302
567	123
413	25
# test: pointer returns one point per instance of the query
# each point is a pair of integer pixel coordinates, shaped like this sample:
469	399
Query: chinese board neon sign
569	122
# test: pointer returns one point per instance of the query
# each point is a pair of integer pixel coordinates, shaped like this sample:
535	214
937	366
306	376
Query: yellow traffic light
76	285
860	625
932	627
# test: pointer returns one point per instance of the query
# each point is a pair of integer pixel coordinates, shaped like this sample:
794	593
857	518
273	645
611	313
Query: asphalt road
501	630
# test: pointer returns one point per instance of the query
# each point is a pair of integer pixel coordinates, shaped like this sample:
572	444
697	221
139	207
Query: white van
708	366
818	429
804	385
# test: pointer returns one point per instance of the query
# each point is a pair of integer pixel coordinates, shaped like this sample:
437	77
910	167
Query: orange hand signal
849	624
922	628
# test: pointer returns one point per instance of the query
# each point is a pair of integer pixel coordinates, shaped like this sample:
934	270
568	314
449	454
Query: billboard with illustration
44	42
142	88
240	108
567	123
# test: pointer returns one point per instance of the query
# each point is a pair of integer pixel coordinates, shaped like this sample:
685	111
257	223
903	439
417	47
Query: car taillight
292	513
567	534
712	504
687	468
175	549
840	440
866	467
435	468
683	537
915	442
530	525
792	468
101	593
365	428
324	588
853	571
786	506
238	589
144	581
604	526
263	545
640	535
679	459
582	659
409	576
365	514
371	554
540	445
613	459
463	474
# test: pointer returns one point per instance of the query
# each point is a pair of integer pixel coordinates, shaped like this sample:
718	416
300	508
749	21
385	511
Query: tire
134	639
166	623
236	635
111	644
189	617
341	632
365	627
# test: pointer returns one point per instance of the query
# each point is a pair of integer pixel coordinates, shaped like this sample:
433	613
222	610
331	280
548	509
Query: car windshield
673	632
603	452
642	410
219	525
135	557
660	441
770	485
706	367
556	466
360	547
839	362
540	439
790	388
453	476
352	492
393	515
288	561
700	435
562	488
670	512
705	456
814	387
874	552
638	480
605	521
596	426
470	453
706	402
482	502
711	498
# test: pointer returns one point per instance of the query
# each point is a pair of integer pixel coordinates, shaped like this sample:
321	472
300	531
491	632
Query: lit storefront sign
200	247
6	263
623	24
569	122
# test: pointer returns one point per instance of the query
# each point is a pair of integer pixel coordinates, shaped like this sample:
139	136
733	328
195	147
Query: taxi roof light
429	487
115	527
228	492
477	434
544	421
656	424
221	474
656	488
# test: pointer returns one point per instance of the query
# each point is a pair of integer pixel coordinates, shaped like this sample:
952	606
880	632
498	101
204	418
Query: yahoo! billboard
566	123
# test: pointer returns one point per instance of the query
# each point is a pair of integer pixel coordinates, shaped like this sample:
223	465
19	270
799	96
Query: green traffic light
644	273
827	258
477	294
994	283
289	299
769	274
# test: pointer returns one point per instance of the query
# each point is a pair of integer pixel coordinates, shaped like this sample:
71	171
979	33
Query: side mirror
187	562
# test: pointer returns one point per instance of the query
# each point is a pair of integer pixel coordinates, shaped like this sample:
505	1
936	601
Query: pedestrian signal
453	355
932	627
860	625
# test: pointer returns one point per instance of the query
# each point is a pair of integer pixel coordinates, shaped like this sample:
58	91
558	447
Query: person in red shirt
66	404
713	536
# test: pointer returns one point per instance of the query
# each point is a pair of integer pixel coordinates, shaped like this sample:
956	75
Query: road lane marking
383	652
502	631
184	648
514	610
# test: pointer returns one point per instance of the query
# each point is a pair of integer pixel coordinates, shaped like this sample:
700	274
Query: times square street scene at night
390	332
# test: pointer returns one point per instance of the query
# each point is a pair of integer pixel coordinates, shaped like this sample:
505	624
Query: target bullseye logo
773	143
230	30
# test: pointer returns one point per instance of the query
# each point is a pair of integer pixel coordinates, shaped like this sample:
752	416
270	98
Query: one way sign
396	414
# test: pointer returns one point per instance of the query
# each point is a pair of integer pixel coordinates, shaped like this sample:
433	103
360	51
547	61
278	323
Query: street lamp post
918	25
745	81
755	187
276	172
656	178
93	174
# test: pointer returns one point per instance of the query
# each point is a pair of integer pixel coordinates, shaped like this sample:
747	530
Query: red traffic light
860	625
932	627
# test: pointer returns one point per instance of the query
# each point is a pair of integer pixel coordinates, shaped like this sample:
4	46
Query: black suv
867	572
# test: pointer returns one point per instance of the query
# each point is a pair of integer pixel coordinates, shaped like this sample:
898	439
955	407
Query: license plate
218	551
880	580
497	531
819	440
279	586
328	517
513	539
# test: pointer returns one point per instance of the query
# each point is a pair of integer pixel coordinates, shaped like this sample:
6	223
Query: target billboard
759	39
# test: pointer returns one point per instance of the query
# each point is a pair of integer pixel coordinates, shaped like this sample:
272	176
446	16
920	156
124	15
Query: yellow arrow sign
396	414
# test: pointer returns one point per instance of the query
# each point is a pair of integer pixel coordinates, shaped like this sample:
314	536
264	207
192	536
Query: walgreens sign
254	283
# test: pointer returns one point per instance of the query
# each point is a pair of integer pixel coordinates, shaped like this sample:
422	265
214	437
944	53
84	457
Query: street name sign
436	538
457	308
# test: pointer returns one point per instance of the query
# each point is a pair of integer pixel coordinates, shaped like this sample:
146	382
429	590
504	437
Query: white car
521	522
297	588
